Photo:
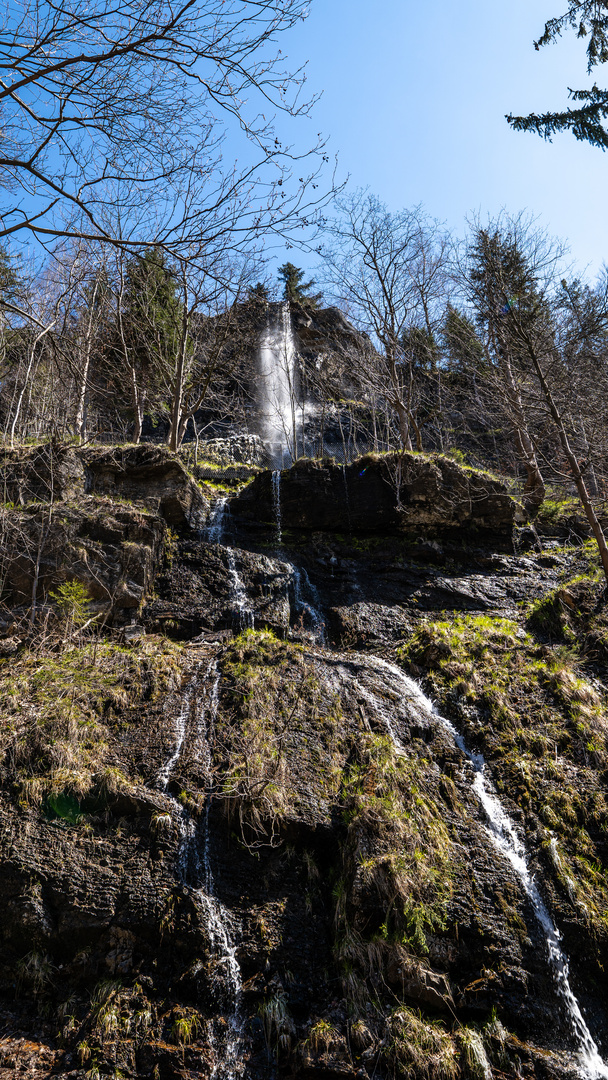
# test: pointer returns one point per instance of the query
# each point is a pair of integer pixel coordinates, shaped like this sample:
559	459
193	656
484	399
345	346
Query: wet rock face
395	493
212	587
153	476
292	809
311	867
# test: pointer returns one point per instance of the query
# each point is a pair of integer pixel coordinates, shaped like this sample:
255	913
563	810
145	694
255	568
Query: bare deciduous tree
389	271
127	104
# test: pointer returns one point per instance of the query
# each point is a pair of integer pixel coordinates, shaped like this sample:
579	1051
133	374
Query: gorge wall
237	839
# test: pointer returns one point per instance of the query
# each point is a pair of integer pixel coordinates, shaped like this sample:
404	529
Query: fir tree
464	350
9	279
258	293
295	290
589	19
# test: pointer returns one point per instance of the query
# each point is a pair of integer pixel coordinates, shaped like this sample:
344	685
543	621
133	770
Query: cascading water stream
501	831
238	595
215	529
239	600
217	918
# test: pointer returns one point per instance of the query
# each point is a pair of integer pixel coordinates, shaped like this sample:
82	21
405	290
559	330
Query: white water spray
277	388
501	831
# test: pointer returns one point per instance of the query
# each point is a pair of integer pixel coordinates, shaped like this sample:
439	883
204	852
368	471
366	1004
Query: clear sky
414	98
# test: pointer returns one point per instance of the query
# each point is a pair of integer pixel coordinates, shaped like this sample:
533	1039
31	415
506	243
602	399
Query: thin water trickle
308	610
276	504
217	521
199	876
240	602
503	834
181	722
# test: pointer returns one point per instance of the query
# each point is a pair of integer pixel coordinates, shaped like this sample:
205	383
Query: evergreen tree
421	347
464	350
295	290
258	293
503	285
589	18
9	279
147	333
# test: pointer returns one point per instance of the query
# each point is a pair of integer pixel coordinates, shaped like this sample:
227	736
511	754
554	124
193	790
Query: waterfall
241	606
199	876
277	388
276	503
180	733
503	835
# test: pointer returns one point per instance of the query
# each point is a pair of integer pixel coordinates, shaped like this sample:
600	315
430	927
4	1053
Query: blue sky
414	98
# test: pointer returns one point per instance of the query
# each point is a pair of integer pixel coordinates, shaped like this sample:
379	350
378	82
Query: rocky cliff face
256	849
383	494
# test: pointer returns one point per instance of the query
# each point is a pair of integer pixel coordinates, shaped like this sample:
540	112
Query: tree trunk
534	490
571	458
137	397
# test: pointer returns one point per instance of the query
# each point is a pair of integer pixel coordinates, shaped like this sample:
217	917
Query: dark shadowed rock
211	587
406	493
113	551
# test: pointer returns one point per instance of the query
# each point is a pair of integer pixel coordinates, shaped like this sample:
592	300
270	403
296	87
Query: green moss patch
542	725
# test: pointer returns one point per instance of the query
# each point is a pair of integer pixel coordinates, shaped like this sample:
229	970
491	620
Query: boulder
151	475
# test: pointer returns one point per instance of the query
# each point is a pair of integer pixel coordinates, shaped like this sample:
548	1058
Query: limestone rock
113	551
214	588
45	473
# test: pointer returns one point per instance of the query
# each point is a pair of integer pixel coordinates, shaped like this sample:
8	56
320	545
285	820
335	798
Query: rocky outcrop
273	860
210	587
405	493
152	476
149	475
331	350
114	552
234	450
344	857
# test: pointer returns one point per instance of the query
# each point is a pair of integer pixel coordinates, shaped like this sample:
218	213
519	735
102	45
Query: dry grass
60	712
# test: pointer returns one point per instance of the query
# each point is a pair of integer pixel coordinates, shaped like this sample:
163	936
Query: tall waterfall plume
277	387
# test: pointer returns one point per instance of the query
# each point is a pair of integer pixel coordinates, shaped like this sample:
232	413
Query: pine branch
584	123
